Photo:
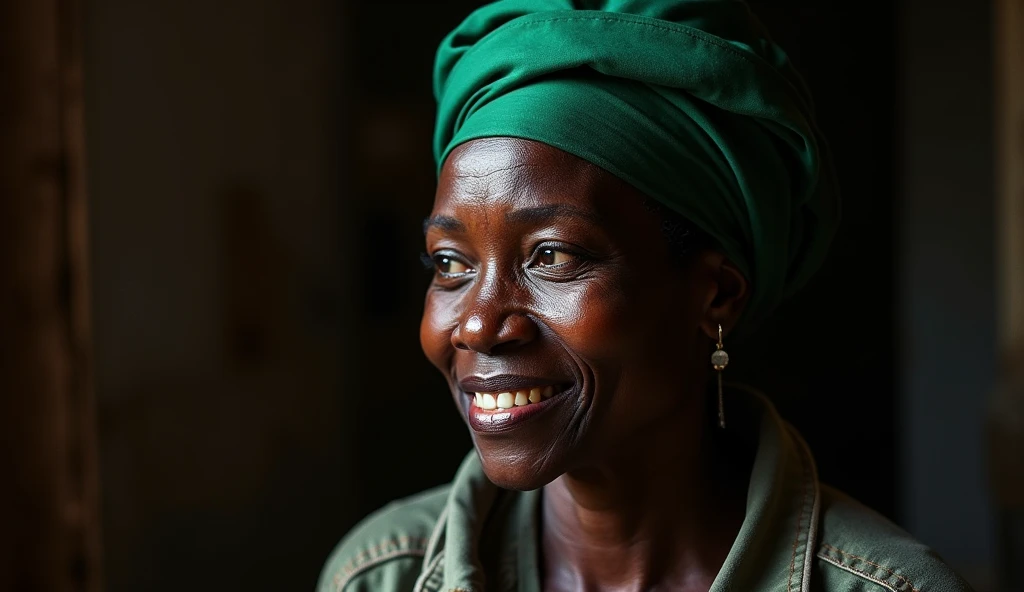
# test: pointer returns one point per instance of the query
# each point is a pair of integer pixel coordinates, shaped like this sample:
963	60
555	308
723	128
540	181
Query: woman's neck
663	512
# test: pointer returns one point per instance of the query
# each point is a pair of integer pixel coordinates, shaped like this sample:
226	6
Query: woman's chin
518	473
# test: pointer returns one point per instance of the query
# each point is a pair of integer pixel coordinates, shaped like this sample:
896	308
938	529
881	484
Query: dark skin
550	267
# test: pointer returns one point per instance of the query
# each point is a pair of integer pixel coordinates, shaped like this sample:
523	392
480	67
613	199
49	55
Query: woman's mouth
515	401
510	399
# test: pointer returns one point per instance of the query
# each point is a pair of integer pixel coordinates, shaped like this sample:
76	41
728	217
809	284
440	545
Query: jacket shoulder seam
857	565
809	504
382	552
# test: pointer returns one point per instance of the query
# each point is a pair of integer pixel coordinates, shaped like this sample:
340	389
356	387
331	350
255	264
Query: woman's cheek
436	326
594	319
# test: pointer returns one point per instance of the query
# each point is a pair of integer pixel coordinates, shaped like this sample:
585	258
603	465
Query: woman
621	191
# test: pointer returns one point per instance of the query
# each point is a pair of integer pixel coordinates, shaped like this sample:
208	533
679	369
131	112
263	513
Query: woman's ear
724	303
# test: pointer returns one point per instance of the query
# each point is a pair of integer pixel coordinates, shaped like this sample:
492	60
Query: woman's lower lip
502	420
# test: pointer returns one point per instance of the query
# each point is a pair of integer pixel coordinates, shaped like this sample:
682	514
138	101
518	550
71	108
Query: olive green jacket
798	535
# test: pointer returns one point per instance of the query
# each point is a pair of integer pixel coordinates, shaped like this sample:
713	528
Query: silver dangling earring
719	360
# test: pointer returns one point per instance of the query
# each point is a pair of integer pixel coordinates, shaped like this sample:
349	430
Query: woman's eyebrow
444	223
546	213
522	215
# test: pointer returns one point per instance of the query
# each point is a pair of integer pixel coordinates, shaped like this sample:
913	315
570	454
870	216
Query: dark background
818	344
258	171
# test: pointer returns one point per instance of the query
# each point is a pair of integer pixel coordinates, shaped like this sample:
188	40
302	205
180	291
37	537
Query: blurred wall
946	310
49	498
217	244
1006	414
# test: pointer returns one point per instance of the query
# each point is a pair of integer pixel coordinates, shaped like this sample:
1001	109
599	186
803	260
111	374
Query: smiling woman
554	281
621	189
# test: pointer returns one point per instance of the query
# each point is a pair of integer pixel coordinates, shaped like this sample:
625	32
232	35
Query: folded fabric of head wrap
689	101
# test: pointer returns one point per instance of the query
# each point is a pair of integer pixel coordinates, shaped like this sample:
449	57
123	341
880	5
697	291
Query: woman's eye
551	257
447	265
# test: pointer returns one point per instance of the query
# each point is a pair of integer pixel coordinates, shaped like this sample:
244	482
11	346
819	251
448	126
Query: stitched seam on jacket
439	527
904	581
374	556
427	572
857	572
812	528
402	543
799	523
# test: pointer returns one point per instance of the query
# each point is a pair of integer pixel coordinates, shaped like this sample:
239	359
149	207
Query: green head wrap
689	101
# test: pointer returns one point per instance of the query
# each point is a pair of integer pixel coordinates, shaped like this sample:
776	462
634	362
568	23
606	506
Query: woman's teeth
510	399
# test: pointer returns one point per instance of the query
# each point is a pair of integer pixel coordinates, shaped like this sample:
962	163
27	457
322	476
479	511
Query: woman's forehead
516	173
486	156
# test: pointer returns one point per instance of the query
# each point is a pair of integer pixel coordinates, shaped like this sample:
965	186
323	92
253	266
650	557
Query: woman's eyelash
428	262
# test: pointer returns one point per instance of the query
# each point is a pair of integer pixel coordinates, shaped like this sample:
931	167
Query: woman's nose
493	332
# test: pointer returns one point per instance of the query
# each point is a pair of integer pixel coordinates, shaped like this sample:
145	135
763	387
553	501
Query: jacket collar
774	549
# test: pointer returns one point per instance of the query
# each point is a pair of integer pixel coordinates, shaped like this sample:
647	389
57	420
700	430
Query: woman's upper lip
501	383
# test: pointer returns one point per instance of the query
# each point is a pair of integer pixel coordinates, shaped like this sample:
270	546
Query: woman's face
556	299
